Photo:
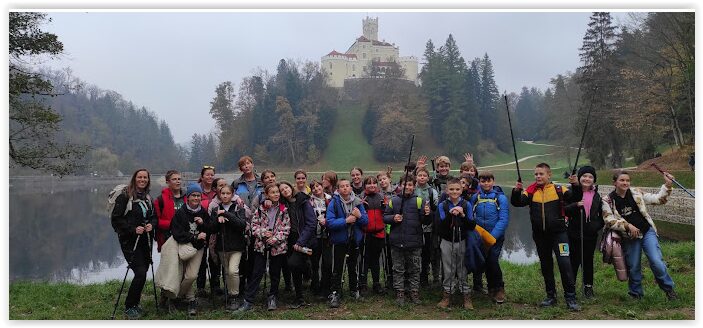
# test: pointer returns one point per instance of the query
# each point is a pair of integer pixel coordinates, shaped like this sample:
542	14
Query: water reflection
63	233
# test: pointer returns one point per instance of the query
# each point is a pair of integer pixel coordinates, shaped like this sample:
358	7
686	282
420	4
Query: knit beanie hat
587	169
193	187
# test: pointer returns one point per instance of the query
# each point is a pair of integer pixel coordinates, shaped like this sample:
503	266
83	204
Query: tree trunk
678	136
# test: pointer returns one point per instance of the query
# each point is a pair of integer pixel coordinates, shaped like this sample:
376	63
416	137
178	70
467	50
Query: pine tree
488	97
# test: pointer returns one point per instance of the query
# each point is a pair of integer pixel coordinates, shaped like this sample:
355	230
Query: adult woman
301	182
133	219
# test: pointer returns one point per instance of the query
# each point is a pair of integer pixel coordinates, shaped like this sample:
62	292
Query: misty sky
171	62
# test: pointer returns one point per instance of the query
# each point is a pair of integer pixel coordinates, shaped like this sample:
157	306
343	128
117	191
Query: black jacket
232	231
460	226
547	206
303	221
185	230
125	225
592	226
407	233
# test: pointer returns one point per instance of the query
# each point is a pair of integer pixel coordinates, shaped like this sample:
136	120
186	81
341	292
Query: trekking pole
153	278
134	249
583	268
208	270
222	266
583	136
510	124
405	179
673	180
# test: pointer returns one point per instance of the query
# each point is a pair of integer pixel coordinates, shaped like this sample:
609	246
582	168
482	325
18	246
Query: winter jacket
373	204
490	211
546	205
440	182
303	221
614	221
448	222
432	197
591	225
406	234
125	225
232	230
319	206
337	226
281	229
184	229
240	188
206	197
165	206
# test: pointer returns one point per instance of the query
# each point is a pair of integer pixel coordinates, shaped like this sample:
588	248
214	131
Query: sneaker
245	307
272	303
218	291
635	296
588	291
299	302
572	305
132	313
671	295
193	307
551	300
499	295
444	303
334	300
400	297
378	289
233	303
415	297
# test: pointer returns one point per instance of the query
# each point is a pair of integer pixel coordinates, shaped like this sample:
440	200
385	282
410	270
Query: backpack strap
418	200
560	194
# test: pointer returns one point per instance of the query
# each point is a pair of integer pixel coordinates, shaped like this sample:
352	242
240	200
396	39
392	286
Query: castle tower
371	28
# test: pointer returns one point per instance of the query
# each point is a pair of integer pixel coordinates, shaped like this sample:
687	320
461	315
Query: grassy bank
524	289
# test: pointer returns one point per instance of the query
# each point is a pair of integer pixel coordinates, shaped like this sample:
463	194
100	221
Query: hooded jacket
232	231
406	234
373	204
281	229
165	207
126	224
491	211
184	229
337	225
592	225
546	206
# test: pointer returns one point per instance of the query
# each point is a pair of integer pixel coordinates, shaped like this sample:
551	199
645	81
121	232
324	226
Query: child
357	181
406	214
375	234
385	189
207	181
231	224
430	254
346	218
455	220
171	199
471	171
546	202
329	182
491	213
322	250
301	182
625	211
443	166
270	228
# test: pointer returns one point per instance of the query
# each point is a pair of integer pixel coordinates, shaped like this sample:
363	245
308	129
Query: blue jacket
248	196
491	211
337	225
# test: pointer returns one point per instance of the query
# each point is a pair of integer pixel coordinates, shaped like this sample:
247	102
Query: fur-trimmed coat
614	221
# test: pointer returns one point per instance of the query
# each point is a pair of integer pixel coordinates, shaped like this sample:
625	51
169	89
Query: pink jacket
281	229
612	253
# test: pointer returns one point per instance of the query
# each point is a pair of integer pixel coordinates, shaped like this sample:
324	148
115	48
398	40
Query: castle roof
374	42
335	53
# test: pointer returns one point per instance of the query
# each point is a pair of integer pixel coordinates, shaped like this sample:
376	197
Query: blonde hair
443	160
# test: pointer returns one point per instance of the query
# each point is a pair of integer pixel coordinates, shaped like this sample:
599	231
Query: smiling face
285	190
142	180
443	169
268	178
318	190
622	183
194	199
371	186
273	194
586	181
356	177
487	184
454	191
208	176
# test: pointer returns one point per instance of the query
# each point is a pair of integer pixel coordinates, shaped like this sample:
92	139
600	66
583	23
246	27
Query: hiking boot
245	307
297	303
480	290
170	306
499	295
588	291
551	300
132	313
193	307
233	303
572	305
444	303
355	295
334	300
468	305
218	291
634	296
671	295
163	301
272	303
378	289
400	297
415	297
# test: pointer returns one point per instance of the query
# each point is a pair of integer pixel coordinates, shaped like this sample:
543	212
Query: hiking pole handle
510	124
673	180
405	179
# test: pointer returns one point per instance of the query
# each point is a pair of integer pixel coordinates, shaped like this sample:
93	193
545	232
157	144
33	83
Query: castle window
363	55
330	65
353	67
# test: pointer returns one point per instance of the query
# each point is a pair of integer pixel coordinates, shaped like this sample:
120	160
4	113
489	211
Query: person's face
194	199
454	190
141	180
586	180
268	178
274	194
422	178
286	191
226	196
542	176
344	188
622	183
487	184
247	167
409	188
472	172
356	177
301	180
208	177
464	184
221	183
384	181
174	182
443	169
371	187
326	184
318	190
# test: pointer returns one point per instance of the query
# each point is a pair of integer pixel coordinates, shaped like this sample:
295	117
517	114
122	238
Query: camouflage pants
406	261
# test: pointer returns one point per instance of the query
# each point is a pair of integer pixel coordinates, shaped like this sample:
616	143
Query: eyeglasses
208	167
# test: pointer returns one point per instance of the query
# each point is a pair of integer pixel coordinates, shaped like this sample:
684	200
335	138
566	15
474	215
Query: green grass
524	290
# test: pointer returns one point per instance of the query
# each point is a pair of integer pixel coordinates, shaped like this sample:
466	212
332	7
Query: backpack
112	197
496	192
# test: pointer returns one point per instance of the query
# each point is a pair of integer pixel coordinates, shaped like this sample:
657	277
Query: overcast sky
171	62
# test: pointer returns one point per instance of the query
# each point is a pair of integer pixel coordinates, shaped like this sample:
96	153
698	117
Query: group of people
256	228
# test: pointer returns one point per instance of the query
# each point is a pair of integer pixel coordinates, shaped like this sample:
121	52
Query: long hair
132	186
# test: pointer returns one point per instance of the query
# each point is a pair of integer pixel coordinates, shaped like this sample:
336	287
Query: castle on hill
368	57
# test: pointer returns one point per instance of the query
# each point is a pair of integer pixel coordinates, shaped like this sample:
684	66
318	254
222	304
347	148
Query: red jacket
373	204
165	210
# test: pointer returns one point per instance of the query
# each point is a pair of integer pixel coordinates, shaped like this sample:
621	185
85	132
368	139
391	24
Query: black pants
373	246
286	272
246	265
339	253
388	265
589	246
494	275
361	263
557	243
139	263
321	272
208	259
298	263
430	259
275	264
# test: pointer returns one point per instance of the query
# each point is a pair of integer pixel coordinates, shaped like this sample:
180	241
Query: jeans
633	258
